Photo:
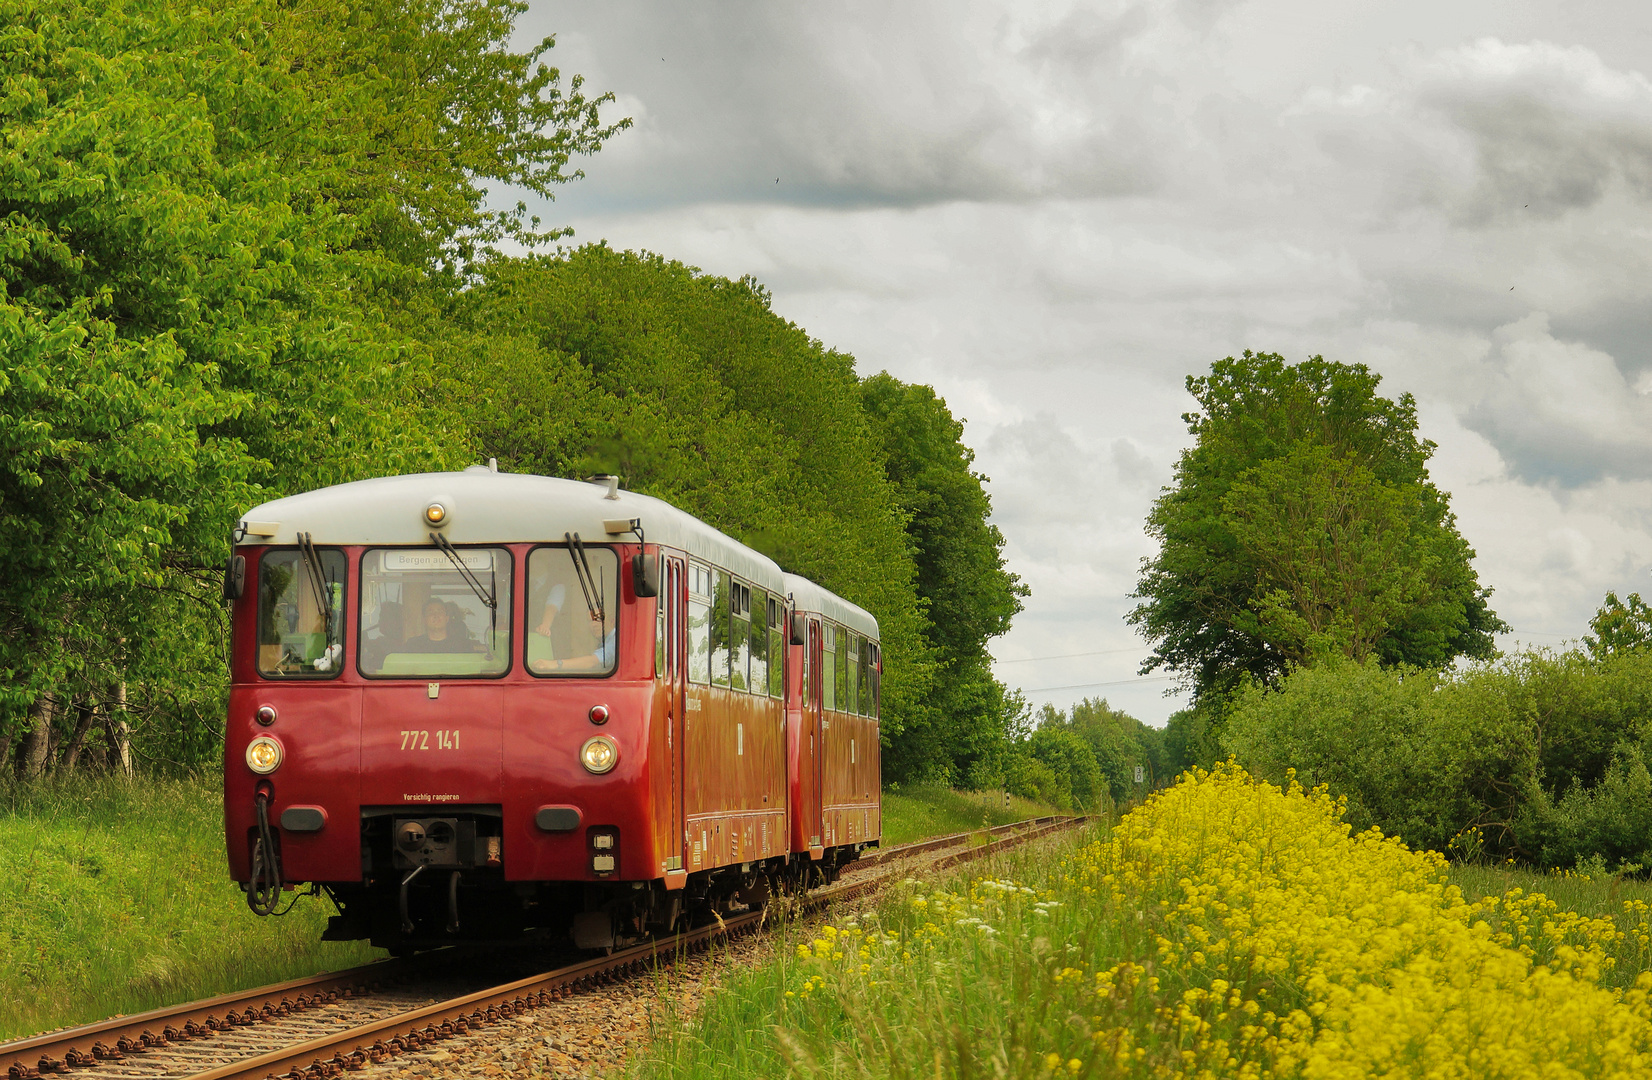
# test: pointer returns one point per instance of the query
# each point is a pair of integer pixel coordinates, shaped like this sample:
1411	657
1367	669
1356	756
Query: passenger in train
600	658
541	654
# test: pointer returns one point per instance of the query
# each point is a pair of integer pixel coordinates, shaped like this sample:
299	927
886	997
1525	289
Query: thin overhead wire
1088	685
1071	655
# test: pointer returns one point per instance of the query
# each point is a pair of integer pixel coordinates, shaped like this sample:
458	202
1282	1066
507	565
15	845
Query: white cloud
1054	213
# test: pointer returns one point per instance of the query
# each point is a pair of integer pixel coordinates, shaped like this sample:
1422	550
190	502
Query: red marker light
599	714
265	715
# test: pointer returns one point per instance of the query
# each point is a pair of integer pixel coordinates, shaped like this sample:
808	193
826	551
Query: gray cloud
1054	213
880	105
1492	133
1560	411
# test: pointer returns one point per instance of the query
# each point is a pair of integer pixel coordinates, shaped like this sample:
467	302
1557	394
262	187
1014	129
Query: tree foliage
968	596
251	249
1302	524
694	391
212	221
1620	626
1539	757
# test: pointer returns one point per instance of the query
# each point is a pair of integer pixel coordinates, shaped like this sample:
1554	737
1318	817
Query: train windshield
301	613
573	610
425	612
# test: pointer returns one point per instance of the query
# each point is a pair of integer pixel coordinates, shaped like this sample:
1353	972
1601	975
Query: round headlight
599	754
435	513
263	755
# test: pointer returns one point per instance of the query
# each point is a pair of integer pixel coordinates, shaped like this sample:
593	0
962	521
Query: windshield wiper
312	563
482	594
582	570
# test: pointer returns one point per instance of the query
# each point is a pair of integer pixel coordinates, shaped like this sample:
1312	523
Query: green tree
1303	524
968	596
691	388
1620	626
222	226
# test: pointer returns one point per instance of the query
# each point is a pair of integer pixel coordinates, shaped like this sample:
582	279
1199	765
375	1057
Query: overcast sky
1053	213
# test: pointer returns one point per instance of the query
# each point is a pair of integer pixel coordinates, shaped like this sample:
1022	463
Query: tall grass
914	813
815	1010
1226	928
115	898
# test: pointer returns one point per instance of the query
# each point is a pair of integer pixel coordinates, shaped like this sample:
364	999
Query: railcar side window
877	683
777	648
573	610
699	623
840	670
864	696
720	601
739	635
301	614
852	671
422	615
828	664
759	615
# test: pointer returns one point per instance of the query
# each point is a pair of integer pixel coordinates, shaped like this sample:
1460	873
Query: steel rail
332	1055
110	1041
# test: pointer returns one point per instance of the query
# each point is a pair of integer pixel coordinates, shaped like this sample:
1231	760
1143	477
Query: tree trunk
31	756
5	750
86	712
119	733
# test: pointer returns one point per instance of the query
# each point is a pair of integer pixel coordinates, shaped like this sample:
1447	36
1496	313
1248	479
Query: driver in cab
440	635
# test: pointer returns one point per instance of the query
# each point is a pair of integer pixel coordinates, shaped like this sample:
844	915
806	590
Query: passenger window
720	601
759	614
851	670
301	614
777	648
699	623
864	696
828	667
739	636
877	683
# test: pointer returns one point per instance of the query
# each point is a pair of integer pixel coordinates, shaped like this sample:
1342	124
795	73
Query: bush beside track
1226	928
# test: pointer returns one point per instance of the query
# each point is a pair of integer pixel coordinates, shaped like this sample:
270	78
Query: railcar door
812	703
676	675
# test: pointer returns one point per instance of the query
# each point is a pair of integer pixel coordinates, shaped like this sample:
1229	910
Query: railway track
376	1012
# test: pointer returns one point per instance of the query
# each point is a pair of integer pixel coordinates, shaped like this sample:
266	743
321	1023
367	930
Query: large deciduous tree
217	226
1302	523
969	596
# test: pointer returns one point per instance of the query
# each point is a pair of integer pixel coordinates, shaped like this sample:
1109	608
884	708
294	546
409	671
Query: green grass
1593	896
115	898
919	812
934	978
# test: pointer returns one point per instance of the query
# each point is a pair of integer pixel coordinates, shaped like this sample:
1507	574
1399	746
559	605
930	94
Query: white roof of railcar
487	507
807	596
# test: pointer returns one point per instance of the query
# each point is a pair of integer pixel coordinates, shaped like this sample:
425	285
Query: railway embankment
1227	928
114	898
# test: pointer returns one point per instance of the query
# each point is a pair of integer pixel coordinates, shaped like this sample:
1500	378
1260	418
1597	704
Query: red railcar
468	704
